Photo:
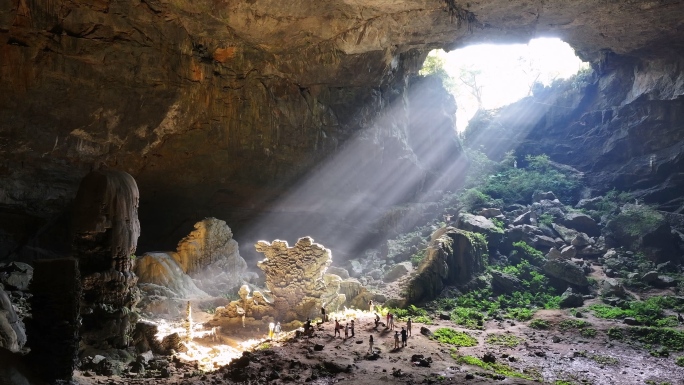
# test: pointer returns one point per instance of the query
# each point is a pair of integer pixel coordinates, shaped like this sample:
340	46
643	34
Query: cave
229	130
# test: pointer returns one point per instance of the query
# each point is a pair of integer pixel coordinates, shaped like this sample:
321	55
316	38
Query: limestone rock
210	255
566	271
12	332
650	277
568	252
522	219
582	223
163	270
105	236
612	287
17	275
481	225
453	258
491	212
538	196
397	271
505	283
339	271
571	299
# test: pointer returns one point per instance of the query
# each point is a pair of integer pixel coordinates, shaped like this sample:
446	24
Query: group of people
346	327
274	330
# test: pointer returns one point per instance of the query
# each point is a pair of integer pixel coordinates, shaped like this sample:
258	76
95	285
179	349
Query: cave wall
622	126
219	108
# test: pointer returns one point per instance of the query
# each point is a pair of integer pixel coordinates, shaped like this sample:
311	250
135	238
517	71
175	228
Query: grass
540	324
415	313
507	340
651	337
649	312
679	361
497	367
452	337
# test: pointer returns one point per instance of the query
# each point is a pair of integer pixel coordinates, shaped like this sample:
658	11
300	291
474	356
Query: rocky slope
217	108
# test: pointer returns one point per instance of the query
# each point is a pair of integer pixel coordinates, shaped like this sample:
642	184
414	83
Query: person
307	326
408	327
388	319
278	329
396	340
377	320
271	330
391	321
337	328
370	306
346	331
352	327
323	316
403	337
370	343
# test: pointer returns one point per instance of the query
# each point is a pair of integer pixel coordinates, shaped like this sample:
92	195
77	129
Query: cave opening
490	76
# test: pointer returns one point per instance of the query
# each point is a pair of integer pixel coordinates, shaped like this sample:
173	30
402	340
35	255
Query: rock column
105	236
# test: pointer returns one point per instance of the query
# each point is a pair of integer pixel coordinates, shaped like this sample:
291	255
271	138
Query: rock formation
454	257
297	286
12	331
211	256
106	230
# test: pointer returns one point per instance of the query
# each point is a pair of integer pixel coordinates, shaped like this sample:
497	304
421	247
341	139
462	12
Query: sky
508	71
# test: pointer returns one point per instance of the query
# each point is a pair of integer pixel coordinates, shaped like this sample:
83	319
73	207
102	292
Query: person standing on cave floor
377	320
323	316
271	330
408	327
337	328
370	344
370	306
278	329
396	340
391	321
352	327
403	337
387	323
346	331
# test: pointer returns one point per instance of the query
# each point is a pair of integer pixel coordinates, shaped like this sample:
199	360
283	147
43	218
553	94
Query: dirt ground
573	358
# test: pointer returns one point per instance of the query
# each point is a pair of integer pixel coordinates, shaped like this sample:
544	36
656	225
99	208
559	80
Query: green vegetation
523	251
649	312
540	324
517	184
569	324
497	367
418	257
520	314
507	340
415	313
453	337
468	317
588	332
498	223
651	337
679	361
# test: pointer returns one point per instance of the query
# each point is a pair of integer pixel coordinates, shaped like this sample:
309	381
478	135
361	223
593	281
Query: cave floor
573	358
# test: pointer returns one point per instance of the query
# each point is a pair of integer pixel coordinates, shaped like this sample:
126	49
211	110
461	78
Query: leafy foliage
507	340
468	317
453	337
415	313
540	324
649	312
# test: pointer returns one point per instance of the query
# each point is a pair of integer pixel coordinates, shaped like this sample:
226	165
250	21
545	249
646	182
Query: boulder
571	299
17	275
582	223
554	253
490	212
650	277
565	233
355	268
397	271
590	204
612	287
568	252
539	196
505	283
453	257
581	240
566	271
522	219
641	228
481	225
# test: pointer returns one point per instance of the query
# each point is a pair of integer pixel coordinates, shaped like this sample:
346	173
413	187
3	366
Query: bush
649	312
540	324
679	361
415	313
468	317
497	367
453	337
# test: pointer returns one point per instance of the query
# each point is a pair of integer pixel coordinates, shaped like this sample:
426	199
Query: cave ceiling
216	106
